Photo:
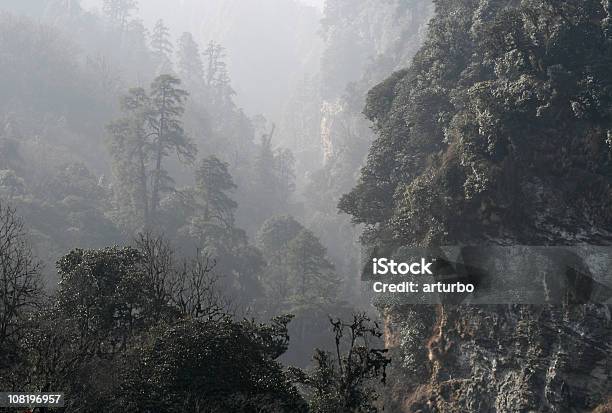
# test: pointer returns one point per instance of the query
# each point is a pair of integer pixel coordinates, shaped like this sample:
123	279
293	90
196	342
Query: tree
213	55
131	150
276	232
300	280
119	11
273	239
150	131
264	173
80	197
208	365
57	356
158	265
284	166
213	181
190	65
273	178
216	76
105	292
345	381
108	303
161	46
20	283
195	290
168	105
238	263
298	277
309	271
178	288
212	224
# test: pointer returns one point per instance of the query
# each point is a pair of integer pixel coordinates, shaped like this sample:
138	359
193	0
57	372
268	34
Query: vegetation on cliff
499	131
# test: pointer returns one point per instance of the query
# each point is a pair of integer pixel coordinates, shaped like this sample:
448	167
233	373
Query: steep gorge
365	40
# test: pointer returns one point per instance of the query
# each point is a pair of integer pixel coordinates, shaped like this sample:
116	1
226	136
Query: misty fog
189	191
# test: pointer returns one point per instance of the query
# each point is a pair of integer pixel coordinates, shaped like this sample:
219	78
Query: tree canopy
498	128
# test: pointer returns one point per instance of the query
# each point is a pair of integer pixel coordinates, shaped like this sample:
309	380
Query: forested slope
146	235
498	133
110	130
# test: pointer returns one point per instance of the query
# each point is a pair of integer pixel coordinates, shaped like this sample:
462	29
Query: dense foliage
497	133
121	312
346	381
158	335
500	128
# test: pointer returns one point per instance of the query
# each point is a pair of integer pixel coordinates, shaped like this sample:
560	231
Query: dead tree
20	281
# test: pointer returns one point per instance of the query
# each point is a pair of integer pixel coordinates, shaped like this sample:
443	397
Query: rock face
365	40
330	125
500	358
497	134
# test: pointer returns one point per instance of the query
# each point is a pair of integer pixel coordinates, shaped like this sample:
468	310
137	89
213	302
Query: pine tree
284	167
213	181
119	12
130	149
214	55
275	234
272	239
299	276
150	131
213	227
310	271
273	178
161	47
216	75
190	65
164	122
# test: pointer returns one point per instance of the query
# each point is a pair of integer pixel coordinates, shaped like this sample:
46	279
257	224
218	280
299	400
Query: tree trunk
159	155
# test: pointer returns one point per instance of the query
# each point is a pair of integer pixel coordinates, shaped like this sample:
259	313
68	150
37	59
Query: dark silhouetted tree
347	380
164	122
20	282
211	366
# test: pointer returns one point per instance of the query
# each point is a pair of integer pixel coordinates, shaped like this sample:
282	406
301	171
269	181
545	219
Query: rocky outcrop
365	40
500	358
497	134
330	125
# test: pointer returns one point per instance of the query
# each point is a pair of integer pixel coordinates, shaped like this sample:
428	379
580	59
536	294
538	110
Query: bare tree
20	282
195	290
158	265
188	286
